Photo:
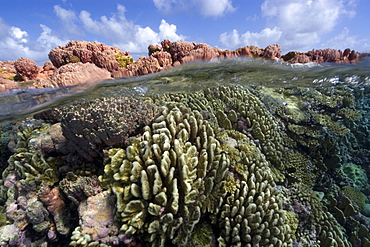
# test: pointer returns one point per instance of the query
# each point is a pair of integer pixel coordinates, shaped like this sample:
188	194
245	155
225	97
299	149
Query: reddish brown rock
26	68
48	66
296	57
250	51
323	56
227	54
201	52
7	67
143	66
178	49
45	71
73	74
161	57
154	48
105	59
101	55
7	75
6	84
272	52
164	58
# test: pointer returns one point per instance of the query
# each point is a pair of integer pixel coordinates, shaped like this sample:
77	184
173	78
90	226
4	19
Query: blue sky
32	28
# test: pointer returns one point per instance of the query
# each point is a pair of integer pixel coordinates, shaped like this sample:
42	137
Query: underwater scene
226	153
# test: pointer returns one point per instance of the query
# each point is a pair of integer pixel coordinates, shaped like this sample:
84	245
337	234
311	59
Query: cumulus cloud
116	29
215	7
48	40
298	24
18	34
346	40
125	34
15	43
68	18
262	39
207	8
168	5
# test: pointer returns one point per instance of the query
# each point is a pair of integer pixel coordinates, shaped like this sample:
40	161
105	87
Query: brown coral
91	125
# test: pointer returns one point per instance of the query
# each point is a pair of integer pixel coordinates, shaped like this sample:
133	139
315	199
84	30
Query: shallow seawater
191	78
224	153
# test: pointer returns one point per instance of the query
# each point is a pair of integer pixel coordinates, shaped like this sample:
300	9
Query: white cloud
295	25
208	8
168	31
168	5
231	40
14	43
215	7
48	40
125	34
68	18
18	34
116	29
303	22
346	40
262	39
304	16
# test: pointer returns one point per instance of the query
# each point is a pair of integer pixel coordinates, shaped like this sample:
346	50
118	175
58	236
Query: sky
32	28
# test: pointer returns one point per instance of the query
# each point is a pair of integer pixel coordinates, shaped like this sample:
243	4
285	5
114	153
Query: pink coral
97	217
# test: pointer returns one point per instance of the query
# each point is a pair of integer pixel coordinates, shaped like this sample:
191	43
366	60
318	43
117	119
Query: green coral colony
227	166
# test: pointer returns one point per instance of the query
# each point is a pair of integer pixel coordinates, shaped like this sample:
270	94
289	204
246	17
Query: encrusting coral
89	126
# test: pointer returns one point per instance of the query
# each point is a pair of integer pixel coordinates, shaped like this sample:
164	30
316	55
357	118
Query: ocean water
191	78
315	146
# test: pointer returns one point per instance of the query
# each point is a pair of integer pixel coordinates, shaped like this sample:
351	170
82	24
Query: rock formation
160	57
74	74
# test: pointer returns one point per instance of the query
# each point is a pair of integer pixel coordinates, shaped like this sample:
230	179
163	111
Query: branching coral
178	170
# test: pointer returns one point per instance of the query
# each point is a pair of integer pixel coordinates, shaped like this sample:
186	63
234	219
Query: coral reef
224	166
97	226
92	125
178	170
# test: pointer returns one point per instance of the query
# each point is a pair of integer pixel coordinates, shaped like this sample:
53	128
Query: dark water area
225	153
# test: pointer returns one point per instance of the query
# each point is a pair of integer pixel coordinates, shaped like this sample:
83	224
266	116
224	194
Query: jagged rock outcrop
160	57
323	56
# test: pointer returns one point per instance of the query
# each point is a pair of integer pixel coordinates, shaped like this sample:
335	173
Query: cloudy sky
32	28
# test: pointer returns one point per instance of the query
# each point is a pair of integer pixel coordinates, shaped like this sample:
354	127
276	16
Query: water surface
191	77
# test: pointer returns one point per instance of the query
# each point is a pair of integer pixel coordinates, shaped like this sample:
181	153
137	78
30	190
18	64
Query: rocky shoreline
80	61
